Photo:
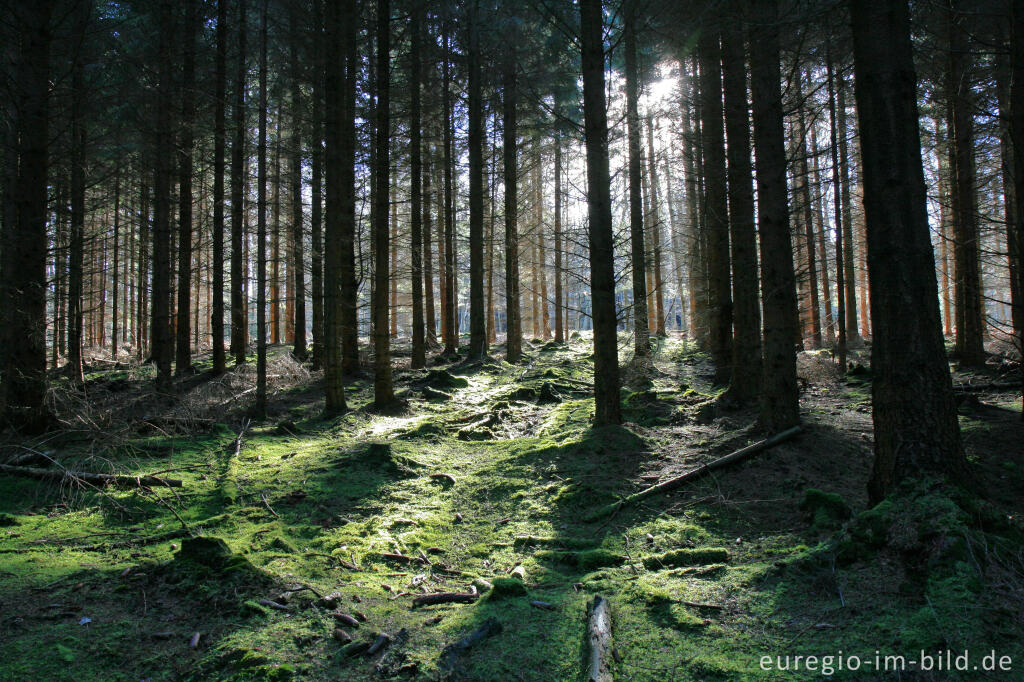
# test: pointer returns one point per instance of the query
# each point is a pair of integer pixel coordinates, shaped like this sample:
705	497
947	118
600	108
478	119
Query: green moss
586	560
686	557
503	588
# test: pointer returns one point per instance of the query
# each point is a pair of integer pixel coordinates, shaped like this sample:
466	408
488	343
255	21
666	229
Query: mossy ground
316	504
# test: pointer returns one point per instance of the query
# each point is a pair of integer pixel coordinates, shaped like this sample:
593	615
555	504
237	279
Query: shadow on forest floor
489	481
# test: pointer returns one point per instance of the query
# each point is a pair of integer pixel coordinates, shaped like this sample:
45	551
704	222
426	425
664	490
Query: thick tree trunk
514	330
239	321
24	255
641	330
916	429
779	393
76	246
383	392
477	314
715	206
745	381
654	234
607	405
428	255
346	242
219	139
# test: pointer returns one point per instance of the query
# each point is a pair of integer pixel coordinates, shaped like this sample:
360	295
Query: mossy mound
686	557
505	588
586	560
442	379
826	510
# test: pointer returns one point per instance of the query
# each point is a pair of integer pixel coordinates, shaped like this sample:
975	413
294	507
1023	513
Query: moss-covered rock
505	588
826	510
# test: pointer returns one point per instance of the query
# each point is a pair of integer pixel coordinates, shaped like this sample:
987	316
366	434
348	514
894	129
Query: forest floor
488	485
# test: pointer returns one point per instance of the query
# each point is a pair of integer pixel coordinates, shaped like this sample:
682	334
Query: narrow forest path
484	484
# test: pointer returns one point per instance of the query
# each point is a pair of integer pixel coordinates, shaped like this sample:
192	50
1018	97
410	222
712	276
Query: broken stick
88	477
700	471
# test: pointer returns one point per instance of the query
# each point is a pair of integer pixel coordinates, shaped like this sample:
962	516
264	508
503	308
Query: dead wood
89	477
599	636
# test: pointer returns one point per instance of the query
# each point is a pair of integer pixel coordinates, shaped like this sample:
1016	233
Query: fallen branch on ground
445	598
694	474
88	477
449	663
599	638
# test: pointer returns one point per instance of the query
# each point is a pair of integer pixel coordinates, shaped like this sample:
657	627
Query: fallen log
988	386
88	477
599	637
700	471
445	598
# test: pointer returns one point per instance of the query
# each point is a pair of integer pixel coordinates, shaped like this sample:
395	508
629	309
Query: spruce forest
511	340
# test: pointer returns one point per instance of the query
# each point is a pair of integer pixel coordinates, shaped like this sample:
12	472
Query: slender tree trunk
745	381
969	334
297	264
76	247
142	314
1015	231
239	321
850	273
514	331
819	235
183	348
393	204
779	392
160	337
641	330
715	206
275	235
219	140
316	254
260	407
451	339
349	330
841	343
428	256
916	428
383	393
115	264
492	335
419	354
608	407
559	332
654	234
542	253
807	210
477	313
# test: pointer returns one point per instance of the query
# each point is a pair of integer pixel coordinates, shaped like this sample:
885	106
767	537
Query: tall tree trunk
542	252
219	140
654	234
477	313
383	392
559	334
183	331
916	429
160	322
239	321
607	405
115	264
260	407
969	334
428	256
745	381
779	392
489	220
715	206
76	245
1015	232
849	272
298	260
419	354
349	293
803	177
841	341
641	330
451	338
316	254
513	316
24	256
275	235
819	234
142	311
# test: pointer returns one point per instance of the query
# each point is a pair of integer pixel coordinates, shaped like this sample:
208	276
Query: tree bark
916	428
160	320
779	393
383	392
477	314
745	381
419	354
260	407
239	321
219	139
641	330
715	206
559	335
297	264
183	330
514	331
607	405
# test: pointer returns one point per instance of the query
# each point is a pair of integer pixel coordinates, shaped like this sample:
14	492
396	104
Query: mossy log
694	474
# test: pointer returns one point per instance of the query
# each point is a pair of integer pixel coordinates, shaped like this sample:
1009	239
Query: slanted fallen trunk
719	463
599	637
87	477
